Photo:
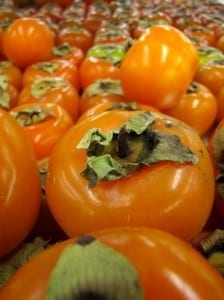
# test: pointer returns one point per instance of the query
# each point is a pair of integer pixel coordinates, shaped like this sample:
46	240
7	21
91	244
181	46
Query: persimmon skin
12	73
64	69
104	106
92	69
20	185
135	200
158	68
211	75
43	136
64	94
22	40
198	109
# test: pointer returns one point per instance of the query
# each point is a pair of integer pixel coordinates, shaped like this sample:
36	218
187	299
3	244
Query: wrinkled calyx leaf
61	50
28	251
218	149
107	85
213	242
22	256
112	52
4	95
215	62
43	85
213	249
219	185
208	53
121	152
31	116
47	66
146	23
5	64
6	271
125	106
193	88
89	269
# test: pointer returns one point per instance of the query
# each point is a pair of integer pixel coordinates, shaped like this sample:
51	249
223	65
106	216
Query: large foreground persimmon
130	168
118	263
20	187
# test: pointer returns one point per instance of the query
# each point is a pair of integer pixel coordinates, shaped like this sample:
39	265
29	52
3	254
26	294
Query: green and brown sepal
121	152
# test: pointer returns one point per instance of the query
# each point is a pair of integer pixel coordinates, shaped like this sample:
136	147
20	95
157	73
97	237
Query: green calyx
31	116
193	88
121	152
196	28
100	86
215	62
120	3
125	106
217	261
218	158
61	50
21	257
47	66
43	85
76	28
213	249
110	52
91	270
146	23
4	95
113	33
5	23
218	150
208	53
28	251
6	271
219	185
5	64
